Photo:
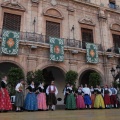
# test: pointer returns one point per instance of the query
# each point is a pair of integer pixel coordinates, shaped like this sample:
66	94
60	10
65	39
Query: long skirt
87	100
93	100
113	99
107	99
70	102
31	102
80	101
52	99
41	99
99	102
5	103
19	99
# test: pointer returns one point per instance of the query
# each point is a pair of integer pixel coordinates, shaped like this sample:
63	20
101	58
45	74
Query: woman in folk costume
87	95
65	92
113	97
31	98
92	96
52	92
99	102
106	94
5	103
19	97
70	101
41	98
79	98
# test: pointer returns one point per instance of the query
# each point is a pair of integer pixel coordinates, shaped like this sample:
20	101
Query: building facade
77	22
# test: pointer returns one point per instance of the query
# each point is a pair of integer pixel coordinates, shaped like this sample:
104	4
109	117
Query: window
11	22
87	36
116	40
52	30
112	4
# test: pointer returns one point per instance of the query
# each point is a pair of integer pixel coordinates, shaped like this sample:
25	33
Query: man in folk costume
52	92
87	95
19	98
113	97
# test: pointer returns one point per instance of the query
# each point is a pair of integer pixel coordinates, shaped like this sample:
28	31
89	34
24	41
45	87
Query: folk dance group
34	100
90	97
45	99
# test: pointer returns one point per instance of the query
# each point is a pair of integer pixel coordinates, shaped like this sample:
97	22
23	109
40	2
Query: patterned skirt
87	100
19	99
80	102
99	102
93	100
107	99
5	103
31	102
41	99
52	99
70	102
113	99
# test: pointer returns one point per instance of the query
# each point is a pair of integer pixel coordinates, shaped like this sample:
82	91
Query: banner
10	42
56	49
91	53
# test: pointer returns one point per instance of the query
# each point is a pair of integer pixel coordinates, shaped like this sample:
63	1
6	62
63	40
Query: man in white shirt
87	95
19	98
52	92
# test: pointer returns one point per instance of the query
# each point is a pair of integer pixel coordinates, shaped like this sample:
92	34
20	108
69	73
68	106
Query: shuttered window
52	30
116	40
87	36
11	22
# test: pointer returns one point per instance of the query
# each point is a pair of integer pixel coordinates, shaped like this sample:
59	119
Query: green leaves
36	76
14	76
94	79
71	77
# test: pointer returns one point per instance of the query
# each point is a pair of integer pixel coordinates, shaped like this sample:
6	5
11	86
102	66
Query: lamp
118	68
113	72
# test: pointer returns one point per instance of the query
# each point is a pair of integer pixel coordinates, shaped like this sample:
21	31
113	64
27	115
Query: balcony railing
39	38
114	50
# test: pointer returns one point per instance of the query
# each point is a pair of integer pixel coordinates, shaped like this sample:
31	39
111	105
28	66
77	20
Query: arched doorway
6	66
84	77
58	75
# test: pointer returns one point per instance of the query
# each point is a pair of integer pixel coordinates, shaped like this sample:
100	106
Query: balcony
43	39
114	50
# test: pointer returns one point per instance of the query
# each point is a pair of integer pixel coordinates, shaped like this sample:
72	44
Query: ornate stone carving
35	2
87	20
102	13
53	13
70	9
115	27
13	5
53	2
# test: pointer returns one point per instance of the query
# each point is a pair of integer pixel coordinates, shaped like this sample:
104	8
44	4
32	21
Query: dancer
31	98
99	102
79	99
66	92
106	94
113	97
52	92
92	96
5	103
70	100
41	98
87	95
19	97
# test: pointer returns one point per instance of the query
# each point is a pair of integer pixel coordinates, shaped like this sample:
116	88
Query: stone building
77	21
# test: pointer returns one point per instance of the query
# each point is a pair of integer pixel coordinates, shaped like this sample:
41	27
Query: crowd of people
85	97
39	98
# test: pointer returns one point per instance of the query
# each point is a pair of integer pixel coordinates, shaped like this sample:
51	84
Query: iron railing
113	6
35	37
114	50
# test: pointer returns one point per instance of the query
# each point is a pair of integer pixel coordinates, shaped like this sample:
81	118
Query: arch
53	12
115	26
57	74
85	69
13	62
